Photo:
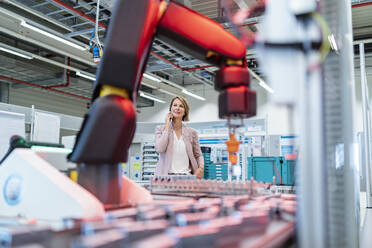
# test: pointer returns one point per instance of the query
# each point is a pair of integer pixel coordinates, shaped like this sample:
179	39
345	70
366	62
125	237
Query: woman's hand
199	173
168	120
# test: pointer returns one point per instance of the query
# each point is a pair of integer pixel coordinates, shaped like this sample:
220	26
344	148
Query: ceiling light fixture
80	74
193	95
183	90
149	85
159	88
332	42
167	92
50	149
261	82
145	95
15	53
266	87
151	77
72	44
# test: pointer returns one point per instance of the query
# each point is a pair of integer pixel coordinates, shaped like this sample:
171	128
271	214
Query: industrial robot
33	188
110	124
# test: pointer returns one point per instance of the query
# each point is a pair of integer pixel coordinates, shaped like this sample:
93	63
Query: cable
95	45
277	172
96	28
91	37
325	46
15	141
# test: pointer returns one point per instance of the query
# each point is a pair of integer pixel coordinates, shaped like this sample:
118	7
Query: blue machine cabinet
263	169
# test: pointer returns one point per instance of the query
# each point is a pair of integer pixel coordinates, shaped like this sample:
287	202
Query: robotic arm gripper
109	126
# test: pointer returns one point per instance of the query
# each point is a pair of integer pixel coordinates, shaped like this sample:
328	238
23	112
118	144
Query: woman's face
177	109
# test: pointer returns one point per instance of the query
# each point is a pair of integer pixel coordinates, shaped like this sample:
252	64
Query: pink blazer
164	146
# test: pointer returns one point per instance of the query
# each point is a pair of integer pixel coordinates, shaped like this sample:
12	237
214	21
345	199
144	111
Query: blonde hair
185	106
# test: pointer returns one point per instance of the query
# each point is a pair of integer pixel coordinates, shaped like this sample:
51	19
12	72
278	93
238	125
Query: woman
177	144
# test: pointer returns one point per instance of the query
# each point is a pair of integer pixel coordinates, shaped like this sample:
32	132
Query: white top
180	160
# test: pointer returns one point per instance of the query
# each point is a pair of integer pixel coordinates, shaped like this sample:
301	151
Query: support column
4	92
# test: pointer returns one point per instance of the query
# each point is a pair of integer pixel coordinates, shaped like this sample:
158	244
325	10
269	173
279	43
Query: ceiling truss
75	20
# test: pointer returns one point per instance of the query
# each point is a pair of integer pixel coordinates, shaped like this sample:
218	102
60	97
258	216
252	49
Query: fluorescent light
26	25
80	74
151	97
158	88
167	92
261	82
193	95
151	77
169	83
332	42
265	86
149	85
50	149
15	53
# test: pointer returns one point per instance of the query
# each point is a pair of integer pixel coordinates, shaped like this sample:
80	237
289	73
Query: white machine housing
32	188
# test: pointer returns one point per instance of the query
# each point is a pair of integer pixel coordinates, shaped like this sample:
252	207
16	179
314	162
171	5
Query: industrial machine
317	86
292	53
39	183
109	126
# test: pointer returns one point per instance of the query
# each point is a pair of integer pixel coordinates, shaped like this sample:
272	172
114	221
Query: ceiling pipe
358	5
44	87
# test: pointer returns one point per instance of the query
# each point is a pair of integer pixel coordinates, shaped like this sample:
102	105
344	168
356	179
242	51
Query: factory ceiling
59	60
